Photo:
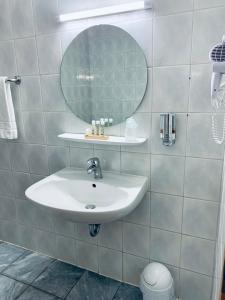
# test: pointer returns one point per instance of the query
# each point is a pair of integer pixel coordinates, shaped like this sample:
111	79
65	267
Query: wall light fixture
108	10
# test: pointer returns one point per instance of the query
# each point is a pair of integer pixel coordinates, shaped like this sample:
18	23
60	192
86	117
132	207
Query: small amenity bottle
106	122
97	127
93	127
102	125
131	129
110	121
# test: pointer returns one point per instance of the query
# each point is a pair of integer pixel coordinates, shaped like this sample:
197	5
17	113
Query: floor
26	275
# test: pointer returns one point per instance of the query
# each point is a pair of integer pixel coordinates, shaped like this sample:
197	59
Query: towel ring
16	80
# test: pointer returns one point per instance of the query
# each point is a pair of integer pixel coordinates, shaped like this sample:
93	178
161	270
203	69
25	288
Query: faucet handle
93	165
93	161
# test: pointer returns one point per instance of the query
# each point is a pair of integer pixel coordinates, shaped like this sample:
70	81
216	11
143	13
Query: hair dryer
217	55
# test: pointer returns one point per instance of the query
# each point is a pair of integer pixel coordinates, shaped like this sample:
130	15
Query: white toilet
157	283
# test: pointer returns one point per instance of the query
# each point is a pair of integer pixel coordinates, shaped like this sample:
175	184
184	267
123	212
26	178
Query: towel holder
16	80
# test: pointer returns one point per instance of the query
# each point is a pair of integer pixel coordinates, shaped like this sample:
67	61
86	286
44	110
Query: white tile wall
195	286
171	86
49	53
6	28
30	94
8	59
136	239
200	100
22	18
65	249
202	178
132	267
166	211
165	7
167	174
110	263
177	225
26	56
111	236
172	33
87	255
141	215
199	129
200	218
208	3
197	255
165	246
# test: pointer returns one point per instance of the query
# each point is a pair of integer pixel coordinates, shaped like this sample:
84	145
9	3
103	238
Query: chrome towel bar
16	80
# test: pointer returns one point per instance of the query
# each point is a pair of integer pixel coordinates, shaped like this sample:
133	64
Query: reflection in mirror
103	74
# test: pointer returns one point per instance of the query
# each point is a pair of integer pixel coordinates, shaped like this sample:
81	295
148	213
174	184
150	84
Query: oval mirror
103	74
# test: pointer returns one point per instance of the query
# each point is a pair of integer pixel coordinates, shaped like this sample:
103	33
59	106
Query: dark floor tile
8	254
92	286
59	278
10	289
128	292
28	267
34	294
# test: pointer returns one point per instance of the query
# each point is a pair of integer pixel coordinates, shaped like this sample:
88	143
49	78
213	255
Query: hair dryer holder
167	129
217	75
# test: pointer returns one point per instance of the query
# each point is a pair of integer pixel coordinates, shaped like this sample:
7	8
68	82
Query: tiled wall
176	222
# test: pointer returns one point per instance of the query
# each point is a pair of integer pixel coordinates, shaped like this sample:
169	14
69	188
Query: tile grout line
75	283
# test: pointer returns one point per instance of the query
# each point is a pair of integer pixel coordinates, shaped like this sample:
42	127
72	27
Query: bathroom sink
79	197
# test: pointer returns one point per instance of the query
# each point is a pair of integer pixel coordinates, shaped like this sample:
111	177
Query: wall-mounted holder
16	80
167	129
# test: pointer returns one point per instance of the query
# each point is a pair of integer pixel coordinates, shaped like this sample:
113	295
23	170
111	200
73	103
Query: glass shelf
113	140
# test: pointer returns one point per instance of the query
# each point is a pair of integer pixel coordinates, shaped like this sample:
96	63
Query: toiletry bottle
110	121
102	125
88	131
106	122
131	129
97	127
93	127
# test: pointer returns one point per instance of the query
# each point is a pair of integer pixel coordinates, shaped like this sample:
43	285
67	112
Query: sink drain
94	229
90	206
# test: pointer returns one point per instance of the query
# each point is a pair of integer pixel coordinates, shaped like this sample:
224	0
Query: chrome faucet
93	166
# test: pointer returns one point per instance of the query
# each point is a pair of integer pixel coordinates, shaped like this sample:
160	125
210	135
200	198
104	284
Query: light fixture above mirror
108	10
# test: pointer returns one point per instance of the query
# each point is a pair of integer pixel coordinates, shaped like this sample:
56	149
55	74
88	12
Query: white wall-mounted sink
79	197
